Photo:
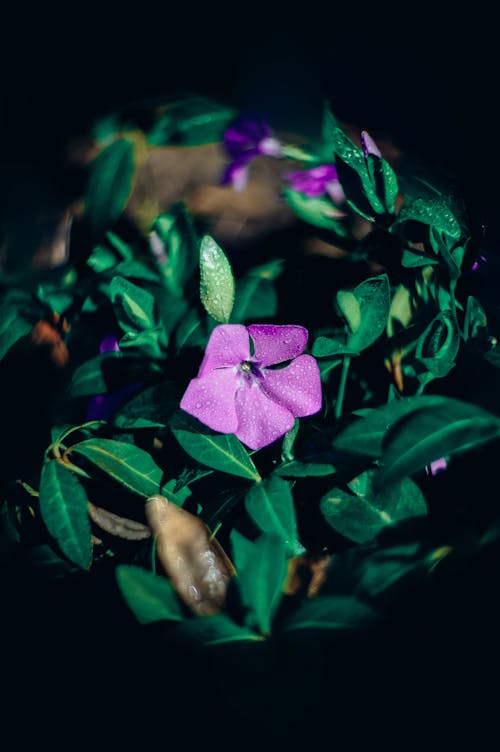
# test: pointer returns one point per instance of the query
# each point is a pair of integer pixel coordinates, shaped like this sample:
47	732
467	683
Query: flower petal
228	346
260	420
369	145
211	400
275	344
296	387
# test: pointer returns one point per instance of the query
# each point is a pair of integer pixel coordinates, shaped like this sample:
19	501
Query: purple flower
244	140
369	146
318	181
236	390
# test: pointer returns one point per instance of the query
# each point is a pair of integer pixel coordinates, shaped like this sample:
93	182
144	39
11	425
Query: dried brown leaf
113	524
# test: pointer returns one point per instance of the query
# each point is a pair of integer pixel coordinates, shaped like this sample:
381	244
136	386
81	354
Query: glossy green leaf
175	242
149	597
384	182
333	612
134	307
326	347
218	451
149	344
255	298
432	211
362	514
298	469
217	287
449	428
63	506
366	310
438	346
287	449
364	436
109	185
270	505
476	320
261	568
124	463
319	212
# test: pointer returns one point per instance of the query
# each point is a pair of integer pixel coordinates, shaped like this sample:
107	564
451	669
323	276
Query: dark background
423	73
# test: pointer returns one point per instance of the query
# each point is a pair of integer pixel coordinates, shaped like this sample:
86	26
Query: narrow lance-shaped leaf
219	451
134	307
150	598
216	281
270	505
63	506
261	569
124	463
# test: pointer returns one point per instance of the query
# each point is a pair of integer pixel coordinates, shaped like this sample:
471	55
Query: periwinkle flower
244	140
369	146
317	182
238	391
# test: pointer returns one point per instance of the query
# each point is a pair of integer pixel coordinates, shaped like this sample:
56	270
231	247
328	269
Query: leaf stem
343	381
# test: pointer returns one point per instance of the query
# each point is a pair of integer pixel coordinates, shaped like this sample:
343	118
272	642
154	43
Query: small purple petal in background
438	466
244	140
475	265
369	146
109	344
316	182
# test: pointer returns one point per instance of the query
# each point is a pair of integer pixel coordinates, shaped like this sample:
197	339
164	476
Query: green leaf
261	569
297	469
149	344
108	372
270	505
325	347
190	332
255	299
150	408
287	450
271	270
364	436
174	237
63	506
319	212
475	319
217	629
384	182
124	463
217	286
335	612
150	598
191	121
361	515
438	346
134	307
12	328
109	185
433	211
366	310
219	451
449	428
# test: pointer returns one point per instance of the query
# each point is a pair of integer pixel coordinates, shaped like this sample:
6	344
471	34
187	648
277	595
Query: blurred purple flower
318	181
244	140
369	146
237	392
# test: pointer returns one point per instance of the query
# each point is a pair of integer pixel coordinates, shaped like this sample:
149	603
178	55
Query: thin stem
343	381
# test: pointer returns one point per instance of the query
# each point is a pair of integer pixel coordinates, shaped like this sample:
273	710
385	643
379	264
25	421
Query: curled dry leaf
196	565
113	524
306	576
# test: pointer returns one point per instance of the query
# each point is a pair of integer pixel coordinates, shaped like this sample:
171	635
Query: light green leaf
134	306
150	598
174	237
270	505
63	506
219	451
297	469
261	569
366	310
217	287
325	347
319	212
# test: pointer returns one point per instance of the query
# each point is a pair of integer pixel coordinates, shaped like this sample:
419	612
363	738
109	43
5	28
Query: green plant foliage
190	122
179	247
109	185
366	310
261	568
218	451
108	372
151	598
217	286
63	506
361	513
335	612
134	307
270	505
